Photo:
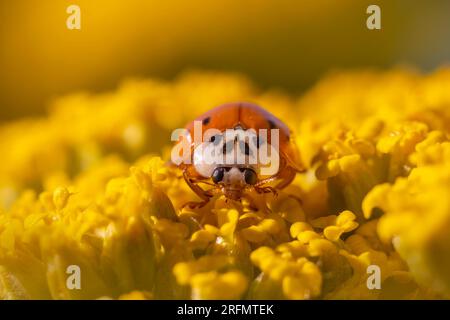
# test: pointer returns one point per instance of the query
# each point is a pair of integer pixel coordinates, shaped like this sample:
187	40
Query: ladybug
233	179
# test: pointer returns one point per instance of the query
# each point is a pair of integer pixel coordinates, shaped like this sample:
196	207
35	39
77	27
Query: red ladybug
234	179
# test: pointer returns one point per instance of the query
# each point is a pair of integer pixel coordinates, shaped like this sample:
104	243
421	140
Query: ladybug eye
250	176
217	175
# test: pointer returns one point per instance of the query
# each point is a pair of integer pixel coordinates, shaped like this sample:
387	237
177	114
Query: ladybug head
234	176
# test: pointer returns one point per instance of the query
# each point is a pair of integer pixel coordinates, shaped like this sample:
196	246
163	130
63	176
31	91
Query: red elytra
244	115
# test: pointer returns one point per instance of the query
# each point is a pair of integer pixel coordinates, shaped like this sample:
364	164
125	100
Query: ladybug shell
250	116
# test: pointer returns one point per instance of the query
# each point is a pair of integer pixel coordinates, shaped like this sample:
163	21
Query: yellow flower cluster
88	186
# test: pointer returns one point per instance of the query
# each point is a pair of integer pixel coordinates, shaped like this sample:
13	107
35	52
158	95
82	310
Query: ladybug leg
267	180
267	189
204	182
203	194
277	176
260	188
298	199
193	184
251	203
253	206
286	176
195	204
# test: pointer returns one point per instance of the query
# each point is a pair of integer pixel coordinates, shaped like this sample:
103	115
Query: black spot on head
216	139
228	147
206	121
245	148
257	141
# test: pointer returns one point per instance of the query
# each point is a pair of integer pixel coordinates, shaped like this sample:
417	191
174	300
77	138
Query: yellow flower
184	271
101	196
297	278
334	226
416	217
211	285
136	295
210	278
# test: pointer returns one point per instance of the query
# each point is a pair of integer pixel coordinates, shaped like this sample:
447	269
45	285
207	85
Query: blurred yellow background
287	44
88	184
